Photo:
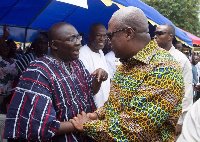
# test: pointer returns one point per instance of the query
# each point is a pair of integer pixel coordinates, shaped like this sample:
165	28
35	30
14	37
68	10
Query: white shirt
186	68
93	61
112	63
198	69
191	129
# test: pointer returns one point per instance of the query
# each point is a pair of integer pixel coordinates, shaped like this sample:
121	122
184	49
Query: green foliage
183	13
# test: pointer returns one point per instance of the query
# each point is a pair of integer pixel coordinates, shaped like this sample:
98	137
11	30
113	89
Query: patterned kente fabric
144	102
47	94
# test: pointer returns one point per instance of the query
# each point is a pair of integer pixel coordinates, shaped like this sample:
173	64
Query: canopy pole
26	30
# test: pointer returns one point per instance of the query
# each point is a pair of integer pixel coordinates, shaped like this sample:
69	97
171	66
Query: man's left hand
101	74
178	129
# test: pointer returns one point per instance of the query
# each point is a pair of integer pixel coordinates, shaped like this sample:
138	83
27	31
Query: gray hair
131	17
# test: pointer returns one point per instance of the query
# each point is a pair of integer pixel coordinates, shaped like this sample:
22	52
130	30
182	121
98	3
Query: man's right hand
92	116
198	87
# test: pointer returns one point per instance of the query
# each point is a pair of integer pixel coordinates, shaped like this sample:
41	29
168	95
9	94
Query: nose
155	36
77	42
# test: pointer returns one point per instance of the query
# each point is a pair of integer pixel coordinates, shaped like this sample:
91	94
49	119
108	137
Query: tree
182	13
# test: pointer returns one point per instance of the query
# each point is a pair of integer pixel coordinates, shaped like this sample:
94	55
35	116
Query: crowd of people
120	86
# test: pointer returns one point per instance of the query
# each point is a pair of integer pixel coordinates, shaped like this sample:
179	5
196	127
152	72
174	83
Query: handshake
81	119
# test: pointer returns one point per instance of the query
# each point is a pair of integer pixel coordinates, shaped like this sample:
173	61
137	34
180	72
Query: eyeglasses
111	34
160	33
71	39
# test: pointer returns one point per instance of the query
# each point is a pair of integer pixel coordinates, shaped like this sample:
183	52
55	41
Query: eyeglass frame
75	38
111	34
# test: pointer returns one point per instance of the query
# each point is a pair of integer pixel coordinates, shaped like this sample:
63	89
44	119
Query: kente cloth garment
191	129
24	61
186	69
93	61
47	94
144	102
8	74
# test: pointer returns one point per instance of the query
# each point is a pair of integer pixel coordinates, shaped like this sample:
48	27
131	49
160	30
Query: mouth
101	43
77	51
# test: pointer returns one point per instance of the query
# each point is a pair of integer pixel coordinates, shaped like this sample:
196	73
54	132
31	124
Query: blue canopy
25	18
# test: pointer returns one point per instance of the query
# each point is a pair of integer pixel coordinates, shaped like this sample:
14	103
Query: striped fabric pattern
24	61
46	95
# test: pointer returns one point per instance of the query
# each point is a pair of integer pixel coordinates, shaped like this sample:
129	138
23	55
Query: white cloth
191	125
112	63
198	69
93	61
186	68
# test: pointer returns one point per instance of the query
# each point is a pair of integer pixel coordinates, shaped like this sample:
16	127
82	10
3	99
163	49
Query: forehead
112	25
162	28
42	38
99	30
66	31
178	45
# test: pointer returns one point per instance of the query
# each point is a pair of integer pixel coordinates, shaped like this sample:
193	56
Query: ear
130	33
171	37
53	45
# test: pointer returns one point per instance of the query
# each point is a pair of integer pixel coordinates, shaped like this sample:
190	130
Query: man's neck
92	48
168	47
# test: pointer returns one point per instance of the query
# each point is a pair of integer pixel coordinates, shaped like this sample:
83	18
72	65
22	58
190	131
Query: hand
92	116
100	74
6	32
178	129
197	87
79	121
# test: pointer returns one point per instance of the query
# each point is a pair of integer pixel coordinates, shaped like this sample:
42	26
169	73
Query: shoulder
165	59
84	48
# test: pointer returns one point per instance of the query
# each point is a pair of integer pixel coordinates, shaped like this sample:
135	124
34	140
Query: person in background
8	75
111	61
40	48
93	58
13	48
164	35
178	45
8	72
19	49
52	90
198	67
196	85
191	129
146	91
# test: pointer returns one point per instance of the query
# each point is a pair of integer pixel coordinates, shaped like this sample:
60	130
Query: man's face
13	46
5	49
41	45
162	36
195	59
179	46
117	40
98	38
68	44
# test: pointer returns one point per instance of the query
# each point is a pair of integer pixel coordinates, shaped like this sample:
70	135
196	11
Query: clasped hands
81	119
